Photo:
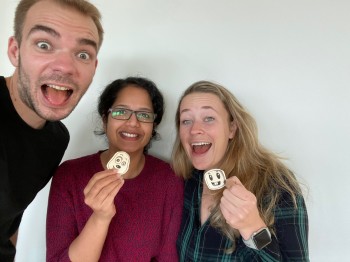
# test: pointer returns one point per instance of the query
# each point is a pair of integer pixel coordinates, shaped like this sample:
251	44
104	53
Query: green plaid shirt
205	243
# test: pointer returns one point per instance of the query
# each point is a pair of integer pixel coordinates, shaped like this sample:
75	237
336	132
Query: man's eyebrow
44	28
54	33
85	41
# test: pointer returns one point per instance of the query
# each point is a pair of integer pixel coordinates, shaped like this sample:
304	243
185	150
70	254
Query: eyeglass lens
125	114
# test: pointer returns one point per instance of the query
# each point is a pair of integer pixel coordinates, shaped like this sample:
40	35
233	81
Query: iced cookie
119	161
215	179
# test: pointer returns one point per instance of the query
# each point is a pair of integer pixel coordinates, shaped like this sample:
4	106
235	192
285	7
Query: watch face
262	239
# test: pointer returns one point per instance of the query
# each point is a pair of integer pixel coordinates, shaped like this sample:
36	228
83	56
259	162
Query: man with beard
54	52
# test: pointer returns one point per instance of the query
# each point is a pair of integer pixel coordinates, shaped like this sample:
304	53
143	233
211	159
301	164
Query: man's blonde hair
82	6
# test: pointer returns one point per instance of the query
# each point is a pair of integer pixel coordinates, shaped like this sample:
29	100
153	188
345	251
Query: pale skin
239	207
204	119
58	51
123	135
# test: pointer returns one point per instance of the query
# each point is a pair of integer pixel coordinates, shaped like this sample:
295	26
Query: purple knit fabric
147	221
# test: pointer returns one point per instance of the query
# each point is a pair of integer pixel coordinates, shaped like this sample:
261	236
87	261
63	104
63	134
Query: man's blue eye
84	55
43	45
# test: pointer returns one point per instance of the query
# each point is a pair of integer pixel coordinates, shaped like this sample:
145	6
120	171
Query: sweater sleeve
172	219
61	228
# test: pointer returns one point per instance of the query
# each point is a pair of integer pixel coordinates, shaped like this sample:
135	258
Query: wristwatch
259	239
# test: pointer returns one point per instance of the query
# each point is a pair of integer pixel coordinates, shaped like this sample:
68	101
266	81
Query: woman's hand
99	196
100	193
239	208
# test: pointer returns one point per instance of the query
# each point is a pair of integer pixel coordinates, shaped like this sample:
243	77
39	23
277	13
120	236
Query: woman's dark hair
110	94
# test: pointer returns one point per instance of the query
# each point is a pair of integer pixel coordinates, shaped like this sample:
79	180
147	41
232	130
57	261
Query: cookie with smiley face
215	179
119	161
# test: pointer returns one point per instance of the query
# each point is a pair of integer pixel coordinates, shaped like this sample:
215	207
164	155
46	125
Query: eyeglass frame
136	112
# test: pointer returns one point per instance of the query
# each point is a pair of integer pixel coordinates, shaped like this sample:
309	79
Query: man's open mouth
57	95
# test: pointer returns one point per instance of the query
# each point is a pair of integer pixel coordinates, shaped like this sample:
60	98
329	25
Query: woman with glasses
97	214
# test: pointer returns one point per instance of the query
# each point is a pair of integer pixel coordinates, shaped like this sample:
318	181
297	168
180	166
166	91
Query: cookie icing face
215	179
119	161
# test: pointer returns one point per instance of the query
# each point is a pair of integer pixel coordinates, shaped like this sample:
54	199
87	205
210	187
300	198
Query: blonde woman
260	214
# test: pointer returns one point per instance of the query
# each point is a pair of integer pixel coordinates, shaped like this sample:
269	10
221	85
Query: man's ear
13	51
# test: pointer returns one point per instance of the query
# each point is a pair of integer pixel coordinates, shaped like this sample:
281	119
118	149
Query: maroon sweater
147	221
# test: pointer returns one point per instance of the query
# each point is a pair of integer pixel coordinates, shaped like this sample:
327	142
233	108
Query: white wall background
287	61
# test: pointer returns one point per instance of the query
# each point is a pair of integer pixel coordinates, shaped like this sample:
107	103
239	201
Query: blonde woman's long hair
260	171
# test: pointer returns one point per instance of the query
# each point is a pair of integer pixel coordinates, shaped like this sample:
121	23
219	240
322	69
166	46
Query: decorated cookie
119	161
215	179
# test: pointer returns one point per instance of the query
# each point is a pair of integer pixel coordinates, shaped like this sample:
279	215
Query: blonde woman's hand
100	193
239	208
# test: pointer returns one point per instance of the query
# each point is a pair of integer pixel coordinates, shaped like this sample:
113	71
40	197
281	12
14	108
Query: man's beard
24	88
28	95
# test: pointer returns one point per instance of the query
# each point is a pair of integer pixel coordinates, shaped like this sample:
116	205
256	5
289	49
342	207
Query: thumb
230	182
